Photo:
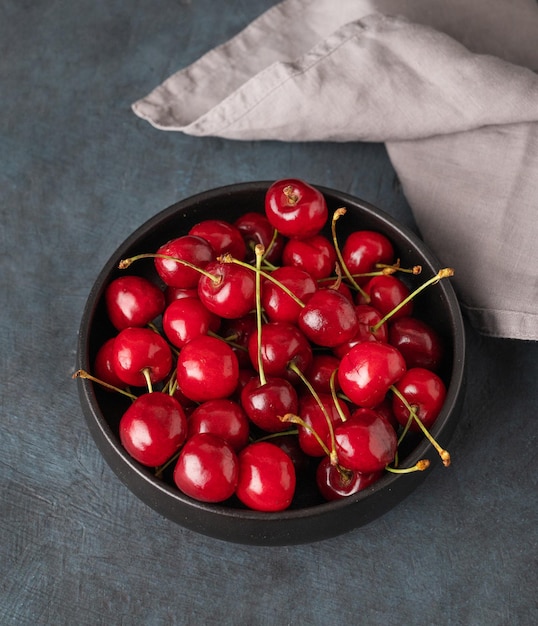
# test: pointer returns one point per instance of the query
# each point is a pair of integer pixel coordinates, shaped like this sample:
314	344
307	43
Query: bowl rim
88	396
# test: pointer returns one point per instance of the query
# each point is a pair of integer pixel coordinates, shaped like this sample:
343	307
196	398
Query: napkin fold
460	122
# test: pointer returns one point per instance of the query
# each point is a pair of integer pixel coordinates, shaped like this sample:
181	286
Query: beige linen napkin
450	90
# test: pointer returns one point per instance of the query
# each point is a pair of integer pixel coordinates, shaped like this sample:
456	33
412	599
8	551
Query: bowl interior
309	518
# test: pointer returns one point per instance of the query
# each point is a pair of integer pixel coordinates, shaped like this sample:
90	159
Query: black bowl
309	519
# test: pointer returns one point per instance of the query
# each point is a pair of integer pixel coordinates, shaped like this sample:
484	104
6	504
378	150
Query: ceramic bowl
309	518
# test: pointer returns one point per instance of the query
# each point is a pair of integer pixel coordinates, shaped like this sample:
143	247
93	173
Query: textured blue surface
78	173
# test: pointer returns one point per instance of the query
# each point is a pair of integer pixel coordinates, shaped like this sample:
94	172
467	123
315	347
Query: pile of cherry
266	348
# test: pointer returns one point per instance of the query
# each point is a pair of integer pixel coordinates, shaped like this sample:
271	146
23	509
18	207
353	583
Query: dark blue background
78	173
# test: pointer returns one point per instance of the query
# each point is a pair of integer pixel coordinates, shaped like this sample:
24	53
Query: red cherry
368	370
424	391
335	482
419	343
315	421
295	208
133	301
315	255
207	468
385	293
256	229
104	365
222	417
223	237
320	372
153	428
194	250
277	304
186	319
366	442
281	344
207	369
328	318
267	477
363	249
237	332
176	293
367	317
232	294
141	349
264	403
290	445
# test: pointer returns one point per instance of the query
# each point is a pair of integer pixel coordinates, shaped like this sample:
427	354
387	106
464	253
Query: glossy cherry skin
320	372
367	317
139	349
419	344
176	293
385	292
207	468
222	417
153	428
277	304
335	483
103	367
295	208
366	442
425	392
281	345
207	369
265	404
233	294
368	370
316	422
315	255
256	229
363	249
133	301
328	318
267	477
185	319
225	238
190	248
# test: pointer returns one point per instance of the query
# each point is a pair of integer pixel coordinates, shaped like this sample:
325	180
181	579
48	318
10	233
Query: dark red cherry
277	304
141	349
222	417
424	391
281	344
290	445
315	423
237	332
133	301
385	292
315	255
231	293
366	442
186	319
256	229
320	372
295	208
363	249
335	482
207	369
368	370
419	343
267	477
193	250
153	428
103	367
223	237
328	318
367	317
265	403
176	293
207	468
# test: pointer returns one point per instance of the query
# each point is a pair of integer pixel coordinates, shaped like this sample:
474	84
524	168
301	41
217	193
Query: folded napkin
448	88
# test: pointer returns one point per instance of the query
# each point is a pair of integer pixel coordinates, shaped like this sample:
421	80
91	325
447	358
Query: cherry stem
444	454
293	367
334	394
87	376
443	273
391	269
419	466
259	251
336	216
125	263
282	433
147	375
159	470
228	258
295	419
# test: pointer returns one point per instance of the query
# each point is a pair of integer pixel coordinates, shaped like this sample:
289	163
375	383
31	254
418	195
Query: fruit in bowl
272	362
